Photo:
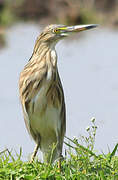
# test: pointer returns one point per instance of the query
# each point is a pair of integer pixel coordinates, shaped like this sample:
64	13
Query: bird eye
56	30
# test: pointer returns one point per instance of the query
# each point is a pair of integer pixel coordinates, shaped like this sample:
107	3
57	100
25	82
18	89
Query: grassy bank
80	162
82	11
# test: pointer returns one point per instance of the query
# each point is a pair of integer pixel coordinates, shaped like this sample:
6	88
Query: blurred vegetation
63	11
80	163
58	11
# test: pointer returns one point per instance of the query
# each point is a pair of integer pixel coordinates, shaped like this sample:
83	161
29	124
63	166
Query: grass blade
82	147
113	152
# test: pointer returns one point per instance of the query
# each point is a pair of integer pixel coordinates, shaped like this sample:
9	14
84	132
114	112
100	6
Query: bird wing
63	110
29	85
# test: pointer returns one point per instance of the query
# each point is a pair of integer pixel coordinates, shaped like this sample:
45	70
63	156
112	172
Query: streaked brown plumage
41	92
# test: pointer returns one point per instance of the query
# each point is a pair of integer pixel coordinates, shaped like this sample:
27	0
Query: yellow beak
65	31
79	28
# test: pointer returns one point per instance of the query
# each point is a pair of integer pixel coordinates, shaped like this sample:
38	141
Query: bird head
53	33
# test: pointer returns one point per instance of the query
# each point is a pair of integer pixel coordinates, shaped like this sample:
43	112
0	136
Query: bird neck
46	52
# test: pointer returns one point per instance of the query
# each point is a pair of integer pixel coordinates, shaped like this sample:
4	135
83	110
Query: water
88	67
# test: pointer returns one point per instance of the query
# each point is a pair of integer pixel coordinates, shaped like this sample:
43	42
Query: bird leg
59	162
34	152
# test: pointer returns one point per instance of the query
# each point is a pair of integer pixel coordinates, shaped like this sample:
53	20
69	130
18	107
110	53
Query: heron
41	92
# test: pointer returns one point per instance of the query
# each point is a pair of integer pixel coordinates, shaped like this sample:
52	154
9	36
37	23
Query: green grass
80	163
